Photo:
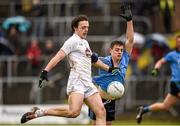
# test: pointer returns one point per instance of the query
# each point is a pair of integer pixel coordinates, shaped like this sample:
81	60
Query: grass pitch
147	122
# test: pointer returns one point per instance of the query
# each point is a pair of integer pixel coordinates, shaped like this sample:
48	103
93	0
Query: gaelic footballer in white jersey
80	63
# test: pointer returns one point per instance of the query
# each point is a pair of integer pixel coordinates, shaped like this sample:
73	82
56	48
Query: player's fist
126	12
113	69
43	79
154	72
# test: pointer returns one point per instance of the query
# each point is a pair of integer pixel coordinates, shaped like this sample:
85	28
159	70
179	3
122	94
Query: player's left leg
108	123
96	105
93	122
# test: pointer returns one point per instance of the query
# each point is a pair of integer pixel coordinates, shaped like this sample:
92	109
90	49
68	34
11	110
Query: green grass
147	122
123	122
126	120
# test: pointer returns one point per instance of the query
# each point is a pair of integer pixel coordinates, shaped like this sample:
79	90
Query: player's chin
119	57
84	36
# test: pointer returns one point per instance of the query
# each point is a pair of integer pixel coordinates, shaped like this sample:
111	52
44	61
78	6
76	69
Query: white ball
115	89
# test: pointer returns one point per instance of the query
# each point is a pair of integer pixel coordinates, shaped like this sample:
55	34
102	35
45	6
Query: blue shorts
175	88
110	110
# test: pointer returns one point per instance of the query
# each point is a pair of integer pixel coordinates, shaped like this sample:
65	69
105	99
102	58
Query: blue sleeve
106	60
168	57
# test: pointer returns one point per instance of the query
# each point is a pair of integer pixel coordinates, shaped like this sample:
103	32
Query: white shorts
81	86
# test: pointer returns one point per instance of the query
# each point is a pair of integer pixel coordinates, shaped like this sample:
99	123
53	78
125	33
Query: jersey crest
88	52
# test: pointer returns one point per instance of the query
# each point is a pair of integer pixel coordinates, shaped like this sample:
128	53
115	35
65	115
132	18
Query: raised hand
126	12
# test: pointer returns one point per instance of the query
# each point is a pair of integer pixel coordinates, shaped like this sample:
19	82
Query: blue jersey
174	60
105	78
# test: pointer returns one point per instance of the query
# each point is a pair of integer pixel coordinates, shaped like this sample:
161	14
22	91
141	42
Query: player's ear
109	50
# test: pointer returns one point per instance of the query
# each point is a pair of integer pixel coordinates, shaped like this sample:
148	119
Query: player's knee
166	106
101	111
73	114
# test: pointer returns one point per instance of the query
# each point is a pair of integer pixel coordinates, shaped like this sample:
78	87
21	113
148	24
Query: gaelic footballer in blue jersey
119	58
173	58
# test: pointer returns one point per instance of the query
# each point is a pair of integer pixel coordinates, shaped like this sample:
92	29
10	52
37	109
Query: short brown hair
178	36
116	42
77	19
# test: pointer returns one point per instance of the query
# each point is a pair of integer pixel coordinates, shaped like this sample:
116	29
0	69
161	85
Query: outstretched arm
101	65
57	58
157	66
98	63
130	37
159	63
44	74
127	15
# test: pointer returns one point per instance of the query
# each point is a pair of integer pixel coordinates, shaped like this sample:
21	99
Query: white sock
39	113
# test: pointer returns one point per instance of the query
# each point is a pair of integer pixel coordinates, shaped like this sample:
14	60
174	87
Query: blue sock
146	109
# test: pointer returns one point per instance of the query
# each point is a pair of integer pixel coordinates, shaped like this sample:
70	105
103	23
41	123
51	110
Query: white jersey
79	56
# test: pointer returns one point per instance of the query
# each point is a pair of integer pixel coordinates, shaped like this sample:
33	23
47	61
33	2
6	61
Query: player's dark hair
116	42
178	36
77	19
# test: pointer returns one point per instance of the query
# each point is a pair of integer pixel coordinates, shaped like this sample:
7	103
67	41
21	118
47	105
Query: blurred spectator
33	55
6	49
38	10
158	51
138	7
167	8
1	32
26	6
49	47
144	7
14	37
99	4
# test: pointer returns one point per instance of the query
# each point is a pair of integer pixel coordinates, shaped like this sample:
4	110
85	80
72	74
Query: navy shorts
175	88
110	110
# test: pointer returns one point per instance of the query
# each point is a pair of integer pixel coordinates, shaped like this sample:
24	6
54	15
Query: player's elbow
166	106
131	39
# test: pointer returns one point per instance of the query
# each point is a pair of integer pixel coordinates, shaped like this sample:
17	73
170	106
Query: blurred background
32	31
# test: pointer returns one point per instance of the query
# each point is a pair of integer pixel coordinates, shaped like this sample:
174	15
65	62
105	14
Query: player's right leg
29	115
73	110
75	102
